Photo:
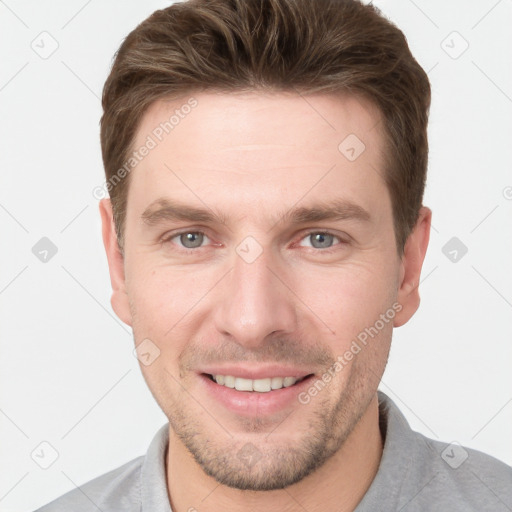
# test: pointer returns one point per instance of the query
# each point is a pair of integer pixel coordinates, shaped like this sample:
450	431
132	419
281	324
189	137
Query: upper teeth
260	385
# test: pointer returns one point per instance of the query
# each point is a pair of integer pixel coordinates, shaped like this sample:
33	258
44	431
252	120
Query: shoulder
118	489
138	484
460	476
417	473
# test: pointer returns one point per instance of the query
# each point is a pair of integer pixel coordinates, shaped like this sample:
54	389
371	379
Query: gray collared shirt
415	474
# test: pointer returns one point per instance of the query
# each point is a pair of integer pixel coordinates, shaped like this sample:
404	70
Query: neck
339	484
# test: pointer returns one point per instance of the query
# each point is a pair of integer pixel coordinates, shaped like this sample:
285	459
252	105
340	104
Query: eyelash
168	238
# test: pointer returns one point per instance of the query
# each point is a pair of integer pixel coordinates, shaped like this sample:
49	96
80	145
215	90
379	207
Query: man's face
261	285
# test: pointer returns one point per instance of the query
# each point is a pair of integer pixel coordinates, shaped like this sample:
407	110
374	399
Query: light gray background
68	375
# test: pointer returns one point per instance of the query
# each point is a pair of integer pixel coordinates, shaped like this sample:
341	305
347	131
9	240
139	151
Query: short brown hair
307	46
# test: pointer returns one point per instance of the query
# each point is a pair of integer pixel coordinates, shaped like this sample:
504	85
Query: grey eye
191	240
321	240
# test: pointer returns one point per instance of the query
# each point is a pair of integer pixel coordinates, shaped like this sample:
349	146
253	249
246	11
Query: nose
254	303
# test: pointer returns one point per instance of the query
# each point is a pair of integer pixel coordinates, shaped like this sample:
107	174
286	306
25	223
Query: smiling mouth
256	385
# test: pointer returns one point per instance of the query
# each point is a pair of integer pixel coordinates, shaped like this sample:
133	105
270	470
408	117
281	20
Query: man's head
325	46
272	227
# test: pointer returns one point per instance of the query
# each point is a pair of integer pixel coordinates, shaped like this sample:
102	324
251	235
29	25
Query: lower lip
253	403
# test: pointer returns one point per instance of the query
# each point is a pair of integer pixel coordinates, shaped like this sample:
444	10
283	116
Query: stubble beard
256	466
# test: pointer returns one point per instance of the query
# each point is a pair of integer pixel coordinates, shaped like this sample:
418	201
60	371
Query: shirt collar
154	496
397	461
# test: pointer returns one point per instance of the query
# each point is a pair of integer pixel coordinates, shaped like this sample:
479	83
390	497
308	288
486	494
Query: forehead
260	150
307	119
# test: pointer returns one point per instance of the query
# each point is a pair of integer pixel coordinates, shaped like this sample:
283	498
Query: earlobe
119	299
411	265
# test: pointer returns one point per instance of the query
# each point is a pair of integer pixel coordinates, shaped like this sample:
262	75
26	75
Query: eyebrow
167	210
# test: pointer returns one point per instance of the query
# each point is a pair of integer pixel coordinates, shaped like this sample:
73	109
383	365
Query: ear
410	267
119	300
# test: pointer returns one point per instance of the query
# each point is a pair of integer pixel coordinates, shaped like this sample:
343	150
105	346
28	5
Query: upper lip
252	372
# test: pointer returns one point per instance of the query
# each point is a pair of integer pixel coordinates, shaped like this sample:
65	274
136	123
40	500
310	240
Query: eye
188	239
320	240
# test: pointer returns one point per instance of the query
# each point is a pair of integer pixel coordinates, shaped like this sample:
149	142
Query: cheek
162	297
348	299
160	300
